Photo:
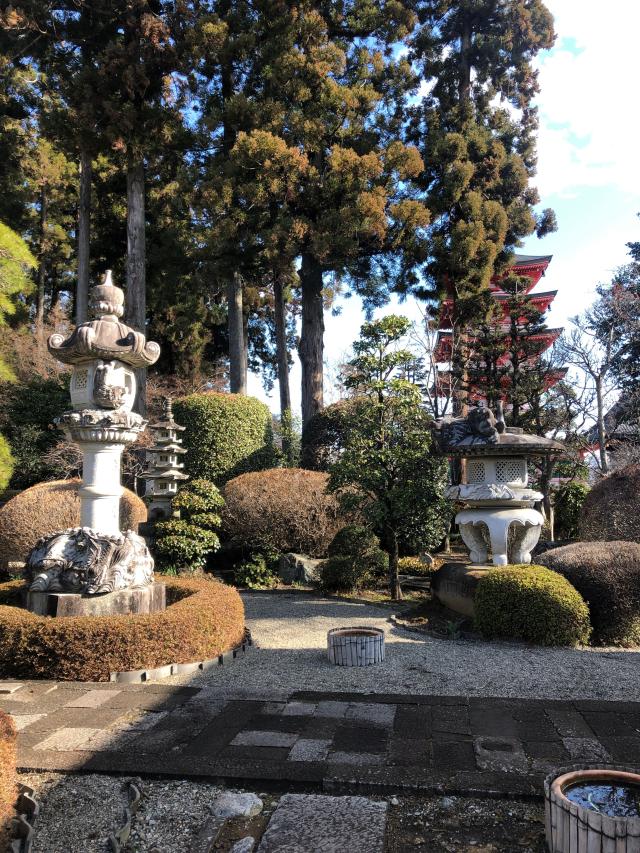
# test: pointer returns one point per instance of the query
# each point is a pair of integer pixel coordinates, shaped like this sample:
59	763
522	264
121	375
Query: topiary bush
355	561
226	435
283	509
533	604
323	435
183	543
8	780
204	618
255	573
49	507
607	575
611	510
568	503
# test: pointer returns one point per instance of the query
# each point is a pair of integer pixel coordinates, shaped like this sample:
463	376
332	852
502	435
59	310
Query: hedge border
8	780
204	618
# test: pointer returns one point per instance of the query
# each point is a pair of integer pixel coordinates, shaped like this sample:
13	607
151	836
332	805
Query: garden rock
296	568
232	804
245	845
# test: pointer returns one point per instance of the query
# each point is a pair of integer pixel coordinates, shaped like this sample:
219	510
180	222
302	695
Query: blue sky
588	167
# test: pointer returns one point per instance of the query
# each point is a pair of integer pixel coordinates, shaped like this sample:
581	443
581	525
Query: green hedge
203	619
356	561
226	435
531	603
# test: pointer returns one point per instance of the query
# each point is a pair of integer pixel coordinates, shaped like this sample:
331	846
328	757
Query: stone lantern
97	558
500	510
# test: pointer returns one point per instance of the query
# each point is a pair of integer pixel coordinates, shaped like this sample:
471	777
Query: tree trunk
84	237
136	280
42	266
237	362
311	347
602	433
392	550
280	311
464	86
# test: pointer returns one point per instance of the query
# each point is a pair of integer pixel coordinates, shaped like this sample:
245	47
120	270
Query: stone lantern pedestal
67	570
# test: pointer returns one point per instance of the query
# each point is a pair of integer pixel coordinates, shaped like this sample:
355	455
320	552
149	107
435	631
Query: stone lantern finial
106	299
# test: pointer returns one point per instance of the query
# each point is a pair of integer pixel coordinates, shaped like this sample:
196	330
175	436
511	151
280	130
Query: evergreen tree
479	156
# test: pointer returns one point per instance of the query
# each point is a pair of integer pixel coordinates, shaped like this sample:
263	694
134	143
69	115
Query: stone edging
135	676
119	838
27	810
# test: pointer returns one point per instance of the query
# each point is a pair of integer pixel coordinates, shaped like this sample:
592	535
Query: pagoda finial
167	408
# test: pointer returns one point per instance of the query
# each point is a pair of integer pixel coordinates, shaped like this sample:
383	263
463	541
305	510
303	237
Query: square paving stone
609	725
496	722
359	759
313	822
9	687
307	749
379	715
252	757
412	721
92	699
585	749
552	751
277	723
23	720
67	739
453	755
570	723
403	751
273	707
299	709
452	720
264	738
320	728
623	749
355	738
539	729
335	710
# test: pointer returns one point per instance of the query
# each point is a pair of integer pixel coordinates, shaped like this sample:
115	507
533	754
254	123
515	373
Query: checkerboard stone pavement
325	741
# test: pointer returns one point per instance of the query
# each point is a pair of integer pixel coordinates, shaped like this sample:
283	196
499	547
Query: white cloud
589	122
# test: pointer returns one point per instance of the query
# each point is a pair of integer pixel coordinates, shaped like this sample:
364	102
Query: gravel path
290	631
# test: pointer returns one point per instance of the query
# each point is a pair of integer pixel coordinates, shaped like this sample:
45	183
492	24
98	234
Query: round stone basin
361	646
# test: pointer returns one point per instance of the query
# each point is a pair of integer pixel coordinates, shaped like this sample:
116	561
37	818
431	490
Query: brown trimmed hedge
611	511
204	618
47	508
8	788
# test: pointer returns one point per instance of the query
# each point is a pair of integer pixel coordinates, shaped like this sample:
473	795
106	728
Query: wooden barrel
355	646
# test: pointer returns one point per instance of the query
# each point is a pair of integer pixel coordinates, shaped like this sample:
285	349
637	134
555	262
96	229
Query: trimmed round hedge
204	618
226	435
607	575
8	786
49	507
533	604
611	510
283	509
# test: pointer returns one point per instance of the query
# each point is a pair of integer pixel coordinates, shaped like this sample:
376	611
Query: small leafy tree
386	468
183	544
16	261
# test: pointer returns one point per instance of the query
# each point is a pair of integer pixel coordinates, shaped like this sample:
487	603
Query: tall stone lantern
97	558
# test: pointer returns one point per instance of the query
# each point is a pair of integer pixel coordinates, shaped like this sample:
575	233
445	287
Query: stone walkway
327	741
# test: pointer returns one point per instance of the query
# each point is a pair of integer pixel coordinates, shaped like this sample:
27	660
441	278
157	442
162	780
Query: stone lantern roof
105	336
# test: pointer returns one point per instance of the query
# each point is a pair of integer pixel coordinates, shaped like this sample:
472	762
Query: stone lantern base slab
455	585
146	599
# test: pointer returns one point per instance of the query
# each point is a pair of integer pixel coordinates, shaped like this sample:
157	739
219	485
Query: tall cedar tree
319	173
479	155
386	468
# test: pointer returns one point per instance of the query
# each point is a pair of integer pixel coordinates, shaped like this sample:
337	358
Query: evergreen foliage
387	469
355	561
226	435
533	604
15	263
7	463
183	543
568	502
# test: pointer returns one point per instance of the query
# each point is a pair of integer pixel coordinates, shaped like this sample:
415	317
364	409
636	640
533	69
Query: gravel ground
290	632
79	812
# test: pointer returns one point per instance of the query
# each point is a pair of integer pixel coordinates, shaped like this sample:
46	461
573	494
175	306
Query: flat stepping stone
304	822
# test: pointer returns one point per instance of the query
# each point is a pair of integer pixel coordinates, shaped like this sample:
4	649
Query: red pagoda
532	267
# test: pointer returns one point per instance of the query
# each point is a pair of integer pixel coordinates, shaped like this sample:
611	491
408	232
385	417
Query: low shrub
355	561
611	511
49	507
531	603
255	573
607	576
204	618
568	503
283	509
183	543
226	435
415	566
8	786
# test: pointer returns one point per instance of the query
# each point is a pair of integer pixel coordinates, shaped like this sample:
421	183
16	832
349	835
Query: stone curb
136	676
27	808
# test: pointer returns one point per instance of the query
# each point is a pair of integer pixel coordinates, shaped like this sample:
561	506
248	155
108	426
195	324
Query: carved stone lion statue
478	427
80	560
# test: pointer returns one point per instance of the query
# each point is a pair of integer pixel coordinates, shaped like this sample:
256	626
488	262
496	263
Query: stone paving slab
337	742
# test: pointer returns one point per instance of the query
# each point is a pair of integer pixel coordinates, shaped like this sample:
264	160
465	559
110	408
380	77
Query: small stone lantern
495	488
164	470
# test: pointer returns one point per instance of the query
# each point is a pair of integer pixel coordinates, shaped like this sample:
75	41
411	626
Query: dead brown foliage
612	508
47	508
204	618
8	789
607	576
284	509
